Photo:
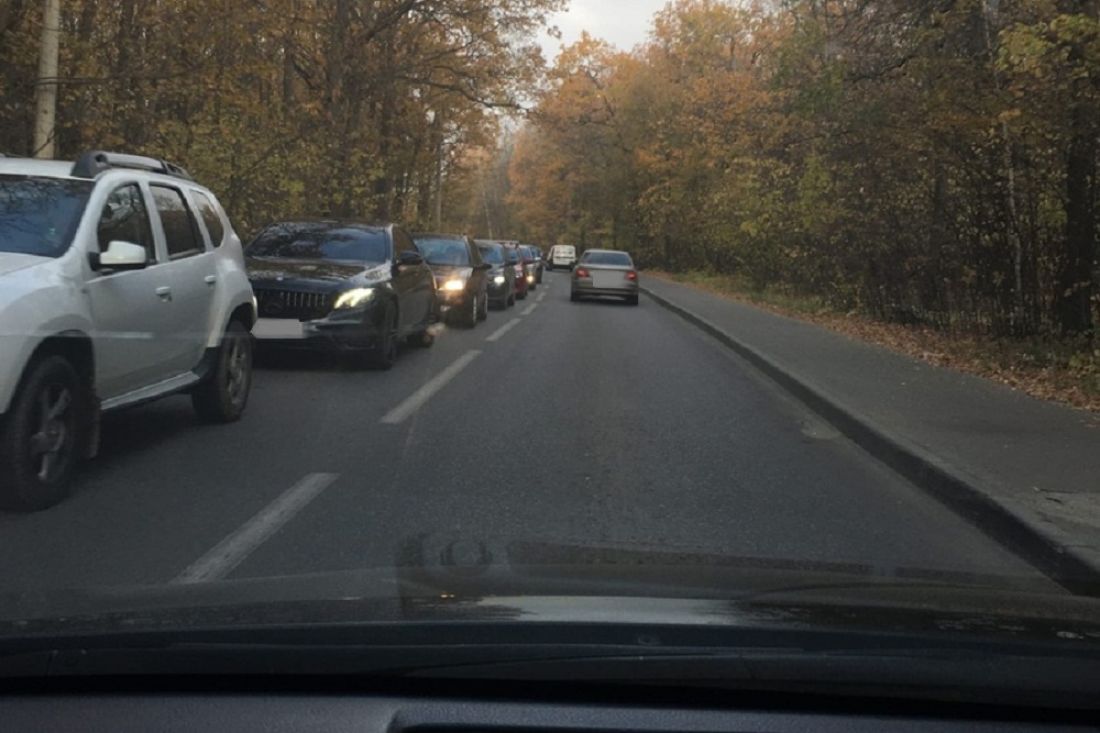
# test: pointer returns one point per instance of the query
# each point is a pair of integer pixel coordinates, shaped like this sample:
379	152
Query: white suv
121	281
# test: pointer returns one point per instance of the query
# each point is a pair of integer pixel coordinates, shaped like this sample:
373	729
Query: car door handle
210	279
164	293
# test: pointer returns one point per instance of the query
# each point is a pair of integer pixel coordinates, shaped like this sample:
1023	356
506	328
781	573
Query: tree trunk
1073	307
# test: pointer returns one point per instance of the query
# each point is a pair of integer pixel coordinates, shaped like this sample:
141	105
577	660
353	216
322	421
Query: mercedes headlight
353	298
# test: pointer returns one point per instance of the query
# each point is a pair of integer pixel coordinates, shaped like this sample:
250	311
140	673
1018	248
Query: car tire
224	395
43	436
470	313
483	312
384	355
511	300
632	300
521	296
574	297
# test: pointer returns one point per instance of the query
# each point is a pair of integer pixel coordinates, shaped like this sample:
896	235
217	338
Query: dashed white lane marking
499	333
530	309
542	295
417	399
232	551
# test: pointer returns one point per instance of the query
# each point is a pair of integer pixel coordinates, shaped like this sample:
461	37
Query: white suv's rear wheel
223	396
42	437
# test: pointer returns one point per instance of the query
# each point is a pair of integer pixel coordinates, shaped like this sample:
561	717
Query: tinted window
39	215
491	254
322	242
181	234
125	219
510	255
444	251
607	258
210	217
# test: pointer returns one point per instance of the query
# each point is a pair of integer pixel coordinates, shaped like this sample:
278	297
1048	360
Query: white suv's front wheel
224	394
41	439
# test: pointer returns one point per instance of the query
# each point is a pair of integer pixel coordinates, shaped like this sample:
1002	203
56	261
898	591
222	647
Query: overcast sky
621	22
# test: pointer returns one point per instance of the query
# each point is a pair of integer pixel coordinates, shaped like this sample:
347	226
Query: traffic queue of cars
122	281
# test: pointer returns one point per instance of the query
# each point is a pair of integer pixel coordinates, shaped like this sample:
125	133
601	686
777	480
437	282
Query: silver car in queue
601	272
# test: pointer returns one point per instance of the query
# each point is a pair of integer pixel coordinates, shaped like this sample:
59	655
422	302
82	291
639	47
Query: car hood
274	270
443	271
14	261
454	579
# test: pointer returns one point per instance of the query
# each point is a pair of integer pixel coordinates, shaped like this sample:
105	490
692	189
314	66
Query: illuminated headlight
500	279
454	286
353	298
530	278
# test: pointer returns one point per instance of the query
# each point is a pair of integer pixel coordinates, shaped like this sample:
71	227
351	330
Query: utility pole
45	112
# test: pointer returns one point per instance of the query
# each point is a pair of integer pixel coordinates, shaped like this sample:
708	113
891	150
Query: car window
444	251
209	213
38	216
309	241
607	258
510	256
181	233
126	219
491	254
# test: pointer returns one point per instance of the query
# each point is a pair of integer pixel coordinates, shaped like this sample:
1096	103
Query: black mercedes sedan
341	286
461	278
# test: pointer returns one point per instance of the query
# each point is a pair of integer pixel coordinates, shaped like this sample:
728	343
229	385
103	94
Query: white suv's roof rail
94	162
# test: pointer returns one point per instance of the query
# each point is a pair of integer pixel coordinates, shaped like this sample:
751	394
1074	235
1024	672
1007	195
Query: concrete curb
941	481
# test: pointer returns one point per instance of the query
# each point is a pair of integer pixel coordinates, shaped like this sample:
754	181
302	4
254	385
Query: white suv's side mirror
120	256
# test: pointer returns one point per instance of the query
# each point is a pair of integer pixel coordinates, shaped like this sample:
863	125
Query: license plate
278	328
606	279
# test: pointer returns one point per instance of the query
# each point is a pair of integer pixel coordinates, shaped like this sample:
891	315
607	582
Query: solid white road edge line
232	551
499	333
417	399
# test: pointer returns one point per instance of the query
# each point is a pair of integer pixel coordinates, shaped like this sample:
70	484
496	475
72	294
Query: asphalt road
592	424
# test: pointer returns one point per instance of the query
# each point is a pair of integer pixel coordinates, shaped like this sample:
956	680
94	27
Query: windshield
620	259
321	242
824	351
38	216
492	255
444	251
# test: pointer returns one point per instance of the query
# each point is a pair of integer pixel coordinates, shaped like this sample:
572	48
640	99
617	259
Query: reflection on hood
452	578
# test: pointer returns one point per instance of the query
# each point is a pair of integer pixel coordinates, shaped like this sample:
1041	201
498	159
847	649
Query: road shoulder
1024	471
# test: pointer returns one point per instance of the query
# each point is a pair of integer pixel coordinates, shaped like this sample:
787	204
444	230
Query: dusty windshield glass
816	325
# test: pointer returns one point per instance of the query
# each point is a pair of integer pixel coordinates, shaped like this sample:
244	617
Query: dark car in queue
530	265
514	257
602	272
341	286
501	276
461	277
537	265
